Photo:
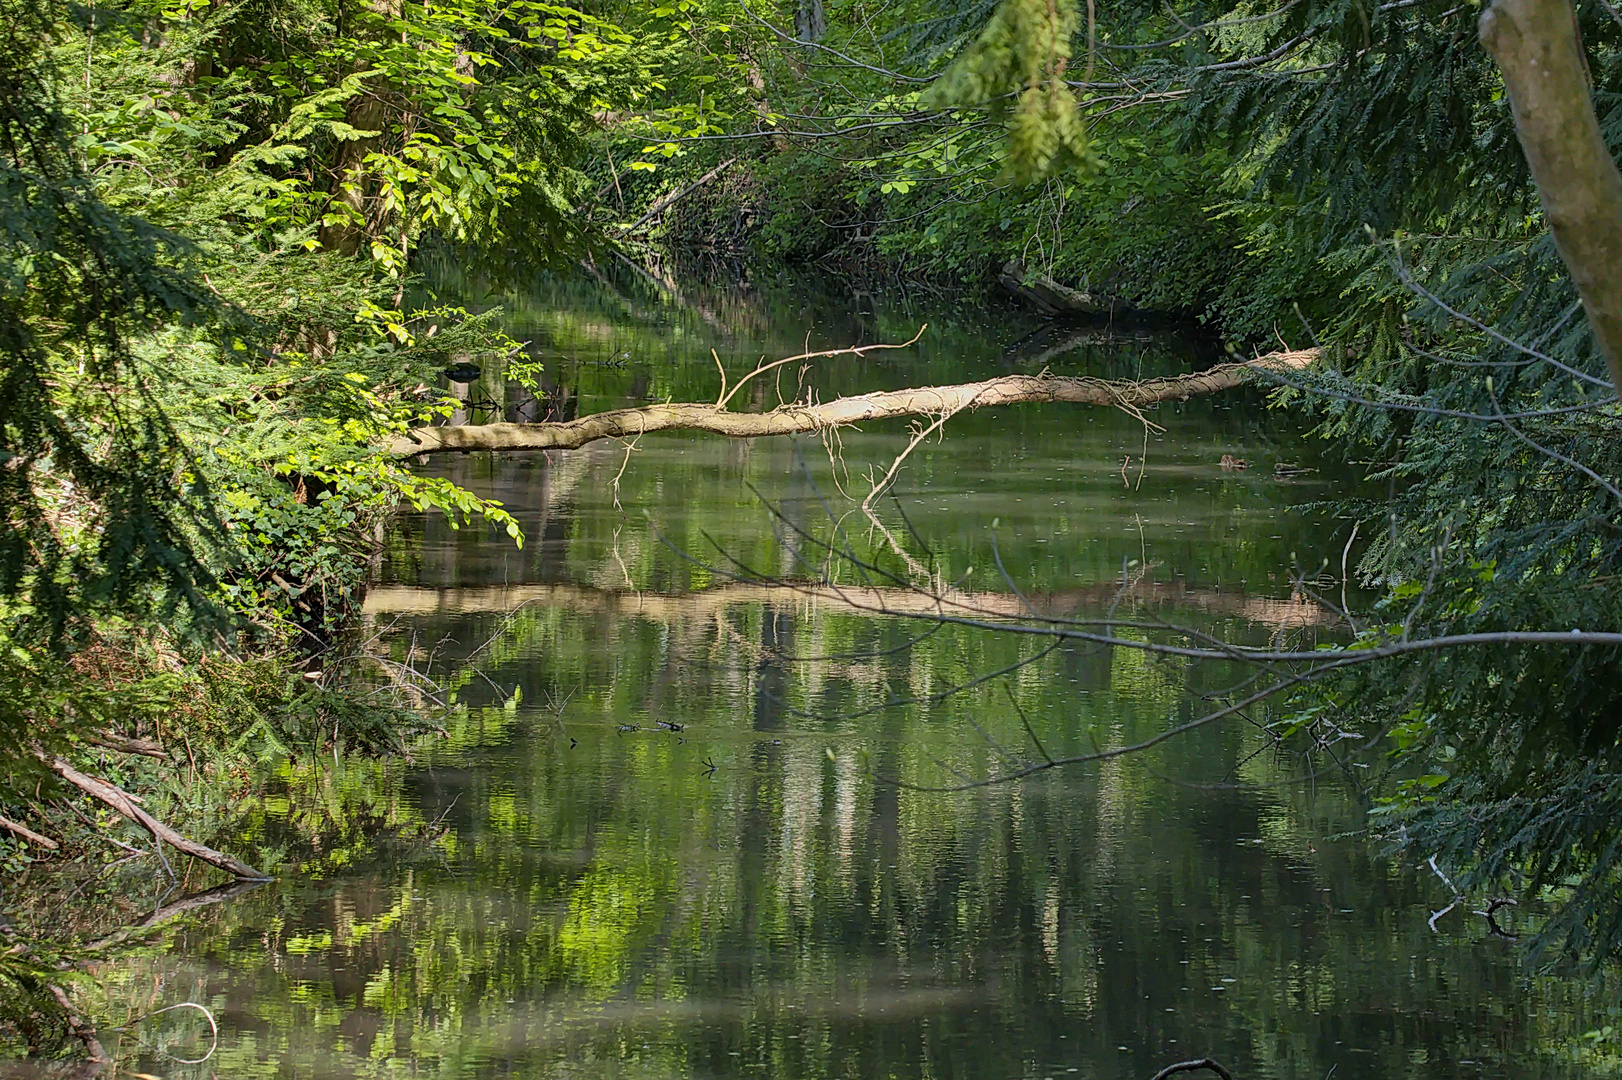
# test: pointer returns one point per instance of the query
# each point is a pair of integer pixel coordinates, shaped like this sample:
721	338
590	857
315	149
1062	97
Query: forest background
213	212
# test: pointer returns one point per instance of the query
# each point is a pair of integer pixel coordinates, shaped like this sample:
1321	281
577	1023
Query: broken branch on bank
124	744
804	417
121	801
28	834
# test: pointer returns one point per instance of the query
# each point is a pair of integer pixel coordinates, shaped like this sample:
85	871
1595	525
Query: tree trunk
366	111
928	401
1536	45
120	801
708	604
810	21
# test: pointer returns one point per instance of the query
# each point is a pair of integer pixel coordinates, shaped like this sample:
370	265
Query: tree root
800	417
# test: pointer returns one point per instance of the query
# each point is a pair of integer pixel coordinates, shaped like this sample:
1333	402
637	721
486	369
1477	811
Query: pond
677	825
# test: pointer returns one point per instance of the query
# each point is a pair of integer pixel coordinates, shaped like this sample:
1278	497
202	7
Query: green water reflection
658	842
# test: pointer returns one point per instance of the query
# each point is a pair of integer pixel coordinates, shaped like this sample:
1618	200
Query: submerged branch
174	909
82	1030
798	418
1194	1066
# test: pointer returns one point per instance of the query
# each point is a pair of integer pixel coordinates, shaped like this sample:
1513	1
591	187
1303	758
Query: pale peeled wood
705	605
799	418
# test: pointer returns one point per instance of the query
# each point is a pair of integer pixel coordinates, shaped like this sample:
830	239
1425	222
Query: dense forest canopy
214	340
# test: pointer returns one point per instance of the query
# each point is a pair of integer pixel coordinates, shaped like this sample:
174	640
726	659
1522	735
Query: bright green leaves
1017	68
371	125
459	505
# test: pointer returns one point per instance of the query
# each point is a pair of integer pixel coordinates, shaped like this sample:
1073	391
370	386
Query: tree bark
1047	295
124	744
932	401
120	801
701	605
366	111
664	203
28	834
810	21
1535	44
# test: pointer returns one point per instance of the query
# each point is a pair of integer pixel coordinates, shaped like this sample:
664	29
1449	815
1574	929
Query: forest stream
675	828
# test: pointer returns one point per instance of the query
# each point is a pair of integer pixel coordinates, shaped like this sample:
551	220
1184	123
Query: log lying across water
927	401
709	603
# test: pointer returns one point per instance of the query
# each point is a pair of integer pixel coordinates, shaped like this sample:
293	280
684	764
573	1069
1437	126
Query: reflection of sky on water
654	845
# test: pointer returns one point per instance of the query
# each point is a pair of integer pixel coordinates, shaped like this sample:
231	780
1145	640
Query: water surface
674	829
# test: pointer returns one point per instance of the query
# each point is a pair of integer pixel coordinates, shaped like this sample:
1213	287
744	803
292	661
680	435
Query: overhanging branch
799	418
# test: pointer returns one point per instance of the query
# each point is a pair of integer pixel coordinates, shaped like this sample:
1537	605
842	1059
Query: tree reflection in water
545	894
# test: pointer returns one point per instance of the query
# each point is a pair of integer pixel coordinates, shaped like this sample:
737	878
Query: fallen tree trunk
666	202
798	418
705	605
1047	295
122	802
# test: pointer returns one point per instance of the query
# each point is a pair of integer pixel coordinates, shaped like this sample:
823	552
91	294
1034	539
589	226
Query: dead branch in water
802	417
121	801
1193	1066
82	1030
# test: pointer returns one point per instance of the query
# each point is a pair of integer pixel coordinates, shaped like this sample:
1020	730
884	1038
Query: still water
675	826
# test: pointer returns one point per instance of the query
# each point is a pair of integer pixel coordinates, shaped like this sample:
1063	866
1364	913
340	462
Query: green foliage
374	125
195	379
1505	755
1023	54
89	521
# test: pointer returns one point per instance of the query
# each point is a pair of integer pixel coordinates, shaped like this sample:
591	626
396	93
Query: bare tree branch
120	801
28	834
797	418
663	203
